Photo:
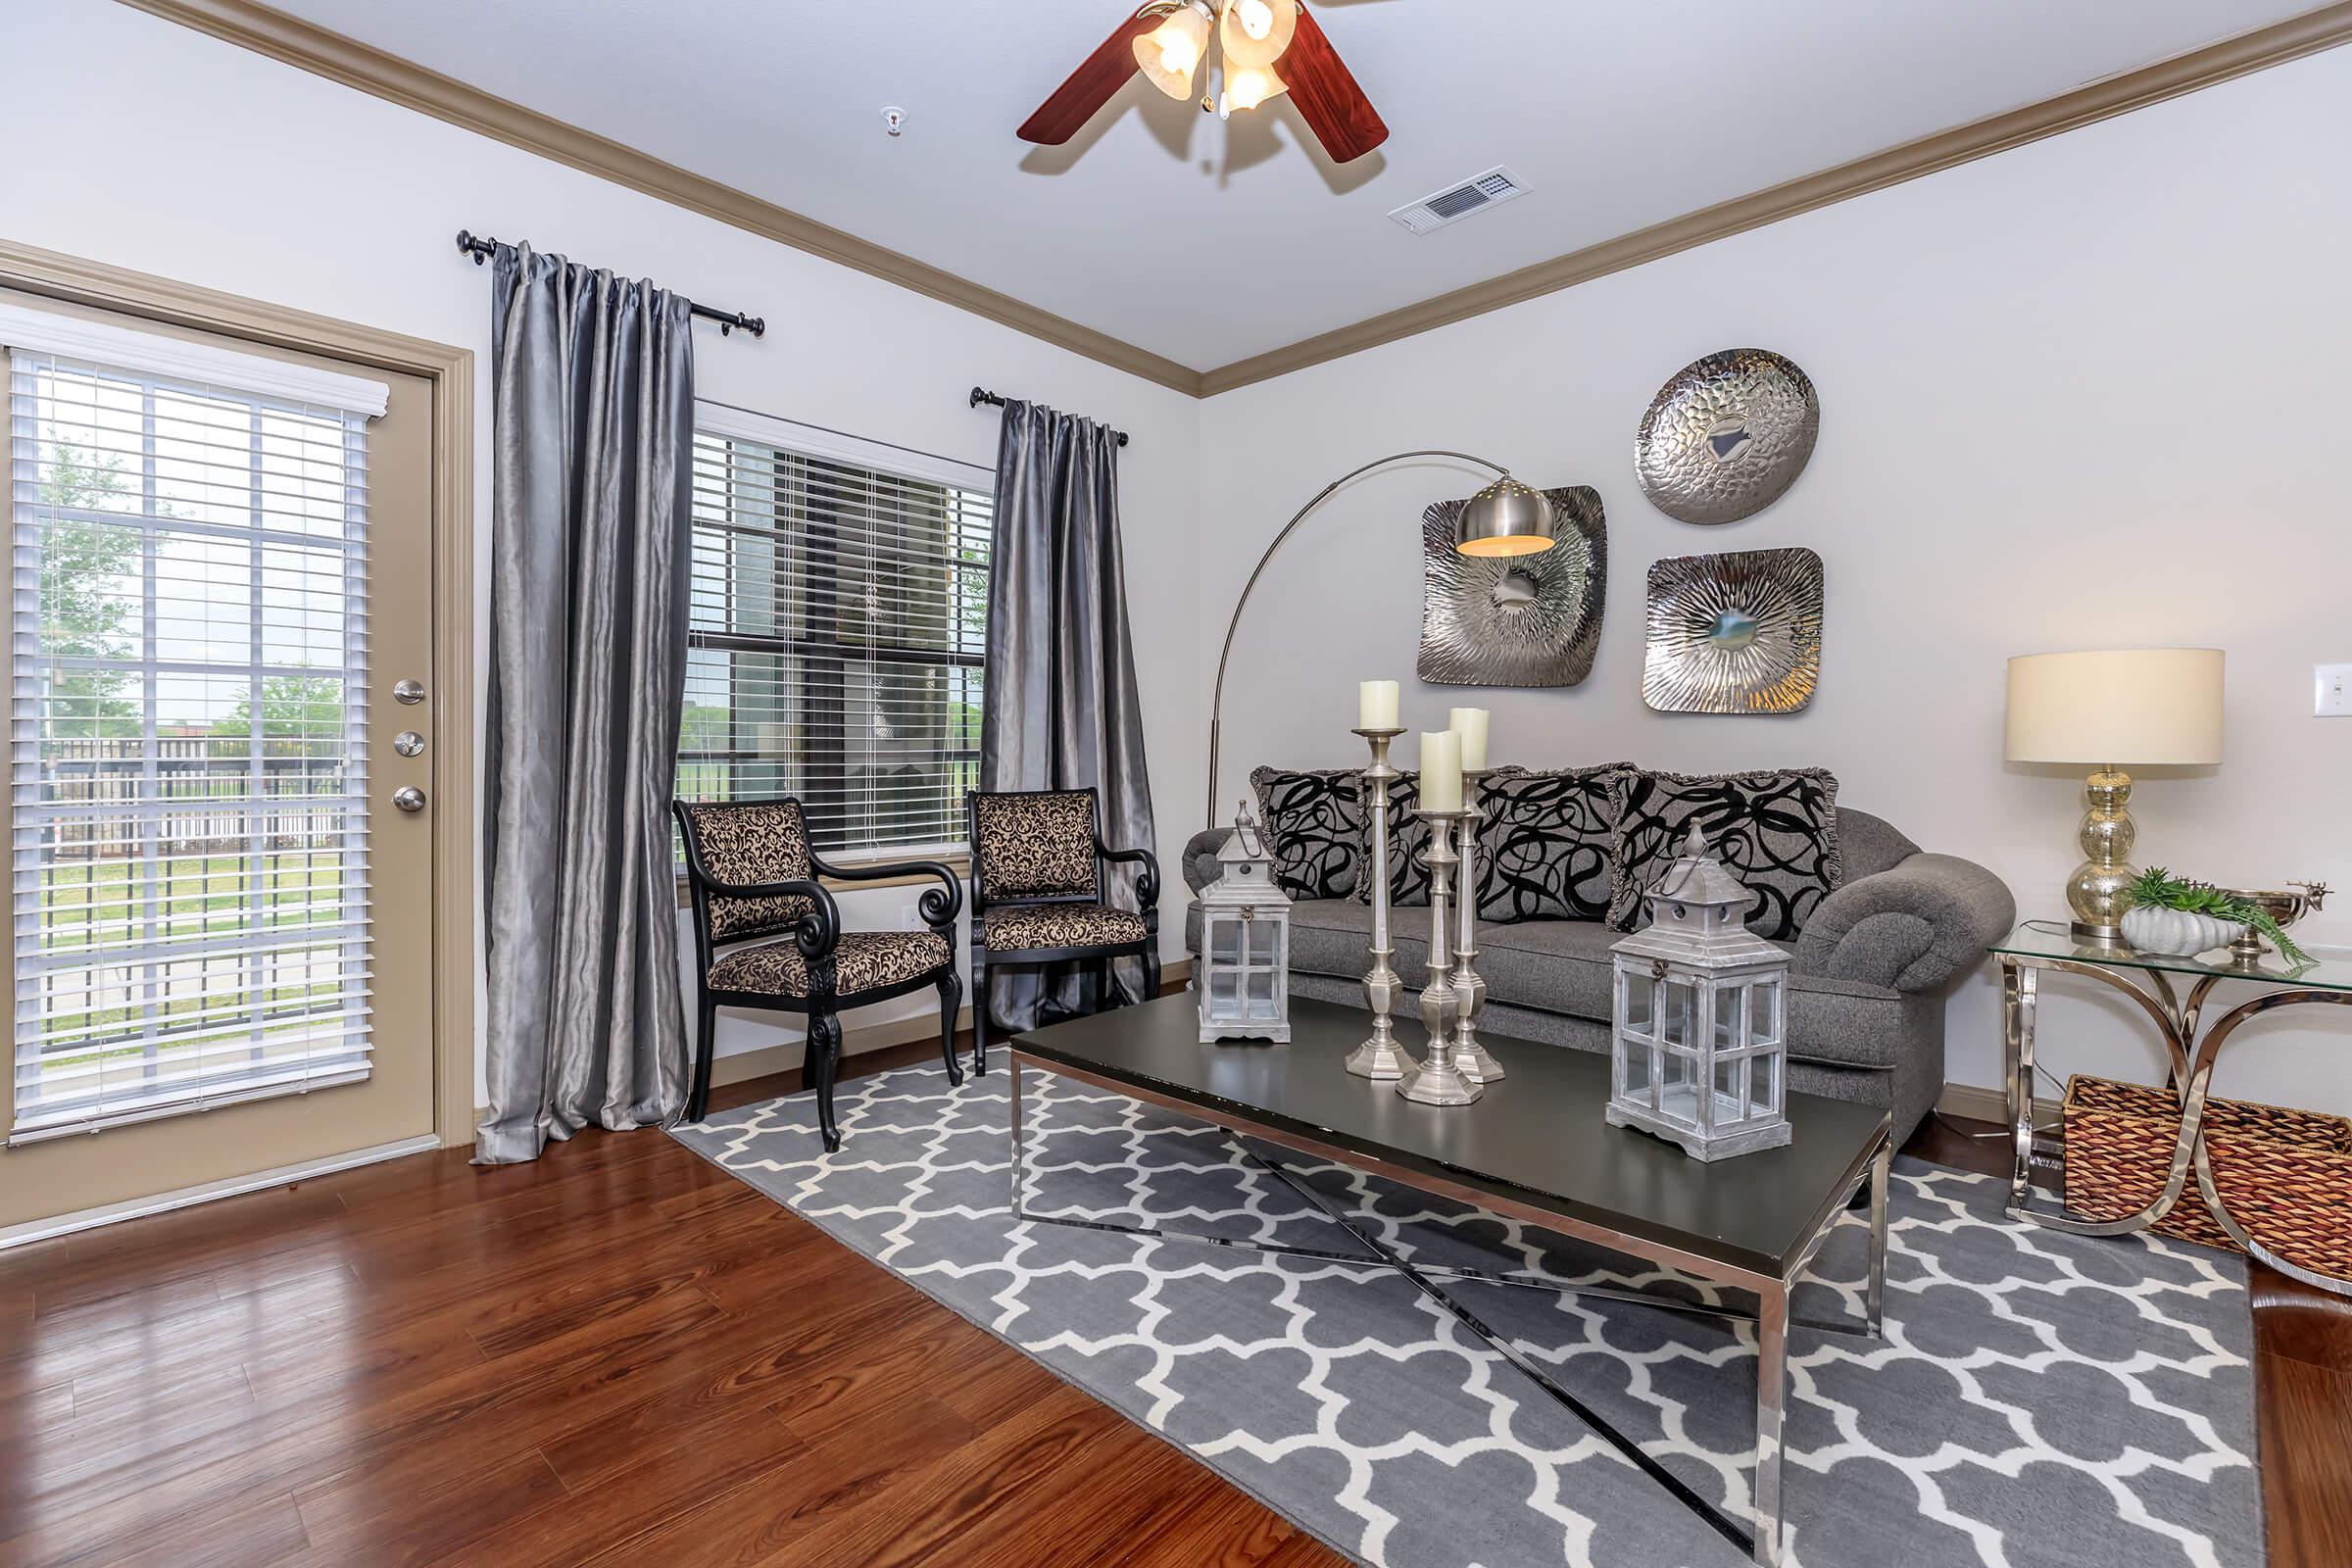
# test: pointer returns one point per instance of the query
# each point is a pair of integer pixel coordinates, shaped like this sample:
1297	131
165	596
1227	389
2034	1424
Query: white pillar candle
1376	704
1470	723
1441	771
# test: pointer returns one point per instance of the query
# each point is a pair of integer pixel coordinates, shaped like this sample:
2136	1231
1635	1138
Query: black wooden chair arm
938	905
816	933
1146	881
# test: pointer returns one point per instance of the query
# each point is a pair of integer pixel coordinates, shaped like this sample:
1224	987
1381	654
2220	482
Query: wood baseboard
1974	1104
1174	976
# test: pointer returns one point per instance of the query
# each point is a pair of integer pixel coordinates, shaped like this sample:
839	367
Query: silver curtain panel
593	436
1060	710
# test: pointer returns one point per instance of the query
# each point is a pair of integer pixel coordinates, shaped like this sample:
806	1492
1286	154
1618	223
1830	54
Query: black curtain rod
982	395
481	250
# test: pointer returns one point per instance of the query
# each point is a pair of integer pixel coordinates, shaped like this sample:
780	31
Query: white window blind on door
188	768
839	627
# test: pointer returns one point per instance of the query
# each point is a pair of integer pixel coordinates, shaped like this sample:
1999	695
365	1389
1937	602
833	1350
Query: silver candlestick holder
1378	1057
1474	1060
1439	1080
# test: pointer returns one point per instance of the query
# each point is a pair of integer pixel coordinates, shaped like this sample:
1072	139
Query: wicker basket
2284	1175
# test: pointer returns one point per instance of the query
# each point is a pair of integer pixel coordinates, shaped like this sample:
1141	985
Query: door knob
409	797
408	743
411	692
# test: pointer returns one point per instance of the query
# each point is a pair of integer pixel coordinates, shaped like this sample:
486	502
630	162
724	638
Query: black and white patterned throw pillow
1315	822
1408	844
1775	831
1544	844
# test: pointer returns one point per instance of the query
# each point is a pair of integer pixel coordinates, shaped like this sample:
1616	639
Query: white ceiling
1208	242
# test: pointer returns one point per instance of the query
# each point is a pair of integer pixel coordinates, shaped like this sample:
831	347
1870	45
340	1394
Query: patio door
220	723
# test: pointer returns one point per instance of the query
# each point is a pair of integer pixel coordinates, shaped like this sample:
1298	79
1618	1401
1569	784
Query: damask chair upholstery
1041	885
754	878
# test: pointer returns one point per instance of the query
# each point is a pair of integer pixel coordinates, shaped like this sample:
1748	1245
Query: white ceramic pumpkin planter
2176	933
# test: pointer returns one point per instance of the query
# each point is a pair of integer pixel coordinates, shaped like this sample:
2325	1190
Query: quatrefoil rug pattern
2037	1401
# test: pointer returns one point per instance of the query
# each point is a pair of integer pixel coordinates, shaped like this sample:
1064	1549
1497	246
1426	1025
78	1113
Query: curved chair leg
1152	969
706	1043
824	1056
951	998
979	1011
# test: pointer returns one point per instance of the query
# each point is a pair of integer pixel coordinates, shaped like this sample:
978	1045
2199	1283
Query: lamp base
2100	889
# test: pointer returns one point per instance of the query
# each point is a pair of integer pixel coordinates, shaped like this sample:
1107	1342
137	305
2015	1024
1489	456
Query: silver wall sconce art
1514	621
1737	633
1727	436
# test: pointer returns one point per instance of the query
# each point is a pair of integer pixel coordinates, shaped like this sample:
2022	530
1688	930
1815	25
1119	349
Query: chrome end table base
1763	1540
2193	1057
1439	1079
1378	1058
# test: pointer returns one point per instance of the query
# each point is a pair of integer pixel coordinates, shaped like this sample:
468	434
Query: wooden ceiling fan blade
1328	100
1089	87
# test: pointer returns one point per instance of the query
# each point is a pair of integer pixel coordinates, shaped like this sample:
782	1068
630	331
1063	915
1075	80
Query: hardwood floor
620	1355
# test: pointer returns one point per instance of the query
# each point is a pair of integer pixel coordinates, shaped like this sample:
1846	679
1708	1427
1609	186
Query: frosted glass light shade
1248	86
1170	54
2123	706
1255	32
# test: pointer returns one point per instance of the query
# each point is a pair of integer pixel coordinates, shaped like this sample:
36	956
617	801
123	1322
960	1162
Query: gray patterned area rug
2038	1399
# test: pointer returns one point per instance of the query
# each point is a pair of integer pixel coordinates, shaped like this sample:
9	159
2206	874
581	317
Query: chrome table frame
1763	1542
2178	1020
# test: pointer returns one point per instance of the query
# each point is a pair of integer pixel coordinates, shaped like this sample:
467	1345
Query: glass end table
2153	982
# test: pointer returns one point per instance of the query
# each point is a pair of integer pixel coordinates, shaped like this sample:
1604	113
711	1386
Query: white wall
138	143
2086	393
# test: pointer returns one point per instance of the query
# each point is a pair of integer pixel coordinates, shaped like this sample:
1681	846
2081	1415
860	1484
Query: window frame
727	421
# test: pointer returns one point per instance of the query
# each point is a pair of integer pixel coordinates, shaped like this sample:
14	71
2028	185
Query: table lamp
2145	707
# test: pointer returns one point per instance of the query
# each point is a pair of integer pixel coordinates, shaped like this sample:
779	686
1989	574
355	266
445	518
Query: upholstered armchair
753	876
1041	877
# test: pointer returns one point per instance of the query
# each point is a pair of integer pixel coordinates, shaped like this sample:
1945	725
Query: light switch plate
2332	691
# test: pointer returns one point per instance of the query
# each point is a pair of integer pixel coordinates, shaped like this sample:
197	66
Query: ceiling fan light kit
1168	42
1170	54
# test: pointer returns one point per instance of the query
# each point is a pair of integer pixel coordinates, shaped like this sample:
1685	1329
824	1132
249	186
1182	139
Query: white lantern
1699	1053
1244	979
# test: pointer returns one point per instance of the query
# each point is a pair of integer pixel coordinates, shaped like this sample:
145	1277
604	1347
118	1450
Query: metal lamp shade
1506	519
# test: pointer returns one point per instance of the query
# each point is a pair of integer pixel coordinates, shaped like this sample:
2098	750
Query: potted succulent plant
2177	918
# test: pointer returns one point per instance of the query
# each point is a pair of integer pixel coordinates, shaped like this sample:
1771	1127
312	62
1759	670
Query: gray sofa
1868	974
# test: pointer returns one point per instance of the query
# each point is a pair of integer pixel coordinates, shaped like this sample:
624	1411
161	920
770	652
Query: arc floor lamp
1505	519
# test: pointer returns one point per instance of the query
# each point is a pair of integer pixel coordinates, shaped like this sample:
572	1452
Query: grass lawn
90	907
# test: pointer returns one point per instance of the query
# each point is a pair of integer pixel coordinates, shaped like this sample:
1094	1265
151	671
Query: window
188	776
840	620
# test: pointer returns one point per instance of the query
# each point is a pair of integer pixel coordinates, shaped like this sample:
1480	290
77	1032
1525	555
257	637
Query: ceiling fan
1169	40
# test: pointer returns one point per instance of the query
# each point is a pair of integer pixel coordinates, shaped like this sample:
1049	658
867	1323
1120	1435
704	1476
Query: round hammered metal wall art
1733	634
1514	621
1727	436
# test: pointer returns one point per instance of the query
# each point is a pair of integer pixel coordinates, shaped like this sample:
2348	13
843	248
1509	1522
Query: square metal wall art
1737	633
1514	621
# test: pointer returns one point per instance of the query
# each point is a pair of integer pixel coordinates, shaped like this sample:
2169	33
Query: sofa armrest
1201	856
1910	927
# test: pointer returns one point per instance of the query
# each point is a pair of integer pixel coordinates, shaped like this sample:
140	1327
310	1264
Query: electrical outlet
908	918
2332	691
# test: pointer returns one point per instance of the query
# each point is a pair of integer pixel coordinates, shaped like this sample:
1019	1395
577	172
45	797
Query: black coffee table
1533	1148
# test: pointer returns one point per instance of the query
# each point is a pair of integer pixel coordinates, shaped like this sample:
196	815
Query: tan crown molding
2305	34
339	59
371	71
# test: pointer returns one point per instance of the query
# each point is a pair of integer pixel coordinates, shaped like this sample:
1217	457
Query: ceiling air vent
1457	202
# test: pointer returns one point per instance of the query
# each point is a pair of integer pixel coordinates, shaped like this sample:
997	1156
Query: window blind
838	626
188	770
